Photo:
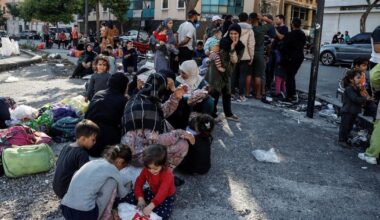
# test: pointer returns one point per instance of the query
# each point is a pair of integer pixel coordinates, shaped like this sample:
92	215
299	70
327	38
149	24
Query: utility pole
86	17
315	63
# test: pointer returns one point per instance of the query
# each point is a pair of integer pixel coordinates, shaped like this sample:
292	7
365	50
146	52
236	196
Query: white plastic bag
24	112
266	156
127	212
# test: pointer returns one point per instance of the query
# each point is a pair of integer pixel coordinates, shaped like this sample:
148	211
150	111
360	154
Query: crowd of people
163	117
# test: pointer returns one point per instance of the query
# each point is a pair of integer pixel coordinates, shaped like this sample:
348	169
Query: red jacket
162	185
160	37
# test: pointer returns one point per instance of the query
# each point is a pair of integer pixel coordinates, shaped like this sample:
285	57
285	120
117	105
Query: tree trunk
97	20
256	6
86	17
363	19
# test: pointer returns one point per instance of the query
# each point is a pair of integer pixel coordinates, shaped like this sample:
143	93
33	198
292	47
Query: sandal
233	118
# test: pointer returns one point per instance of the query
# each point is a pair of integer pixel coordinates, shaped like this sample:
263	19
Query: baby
212	48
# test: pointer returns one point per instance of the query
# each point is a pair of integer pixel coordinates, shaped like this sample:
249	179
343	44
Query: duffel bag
64	129
26	160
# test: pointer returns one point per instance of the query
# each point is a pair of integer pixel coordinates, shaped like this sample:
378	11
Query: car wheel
327	58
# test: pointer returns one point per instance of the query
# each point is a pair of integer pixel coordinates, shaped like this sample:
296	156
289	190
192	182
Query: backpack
198	158
63	130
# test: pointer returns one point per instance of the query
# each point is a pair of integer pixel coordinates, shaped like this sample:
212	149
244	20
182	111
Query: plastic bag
23	112
266	156
42	123
129	212
77	103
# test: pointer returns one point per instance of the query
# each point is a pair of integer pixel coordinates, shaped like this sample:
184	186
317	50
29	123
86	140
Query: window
222	6
180	4
165	4
136	5
361	39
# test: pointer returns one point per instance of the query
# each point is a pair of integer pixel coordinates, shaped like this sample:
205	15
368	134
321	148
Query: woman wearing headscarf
144	121
164	50
197	95
84	66
106	110
220	82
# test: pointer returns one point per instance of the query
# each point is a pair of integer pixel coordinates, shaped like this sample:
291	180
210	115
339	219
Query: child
129	57
91	189
161	35
161	193
280	82
361	64
99	79
197	160
199	53
352	105
73	156
212	48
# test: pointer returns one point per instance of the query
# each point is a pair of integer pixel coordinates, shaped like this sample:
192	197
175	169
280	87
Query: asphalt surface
315	179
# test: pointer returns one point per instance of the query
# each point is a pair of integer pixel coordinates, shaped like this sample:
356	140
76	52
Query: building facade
345	16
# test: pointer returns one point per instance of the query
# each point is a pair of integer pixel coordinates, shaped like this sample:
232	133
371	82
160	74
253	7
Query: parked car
132	36
358	46
29	35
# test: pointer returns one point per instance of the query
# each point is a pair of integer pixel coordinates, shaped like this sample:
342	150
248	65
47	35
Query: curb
366	121
13	65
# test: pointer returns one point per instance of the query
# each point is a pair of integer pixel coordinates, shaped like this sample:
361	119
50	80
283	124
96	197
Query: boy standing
73	156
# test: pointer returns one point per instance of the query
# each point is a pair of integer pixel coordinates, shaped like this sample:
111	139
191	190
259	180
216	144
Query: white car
132	36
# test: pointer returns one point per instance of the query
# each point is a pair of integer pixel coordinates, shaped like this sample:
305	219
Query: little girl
92	186
198	158
352	105
99	79
160	195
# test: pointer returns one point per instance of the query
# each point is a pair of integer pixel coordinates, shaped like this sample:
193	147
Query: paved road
328	78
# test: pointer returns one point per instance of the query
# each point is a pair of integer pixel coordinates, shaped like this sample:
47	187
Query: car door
358	46
363	45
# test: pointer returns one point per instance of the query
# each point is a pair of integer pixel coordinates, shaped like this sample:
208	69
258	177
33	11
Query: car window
361	39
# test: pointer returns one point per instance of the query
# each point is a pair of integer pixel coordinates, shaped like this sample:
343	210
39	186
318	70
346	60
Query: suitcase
26	160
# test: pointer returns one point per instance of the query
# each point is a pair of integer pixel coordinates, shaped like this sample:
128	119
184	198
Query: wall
334	22
172	11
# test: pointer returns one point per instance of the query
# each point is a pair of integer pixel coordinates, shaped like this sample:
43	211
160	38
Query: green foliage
52	11
119	8
13	9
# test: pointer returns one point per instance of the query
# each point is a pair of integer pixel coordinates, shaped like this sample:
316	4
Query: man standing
293	57
75	36
258	65
216	23
346	37
187	37
281	31
45	31
245	65
335	39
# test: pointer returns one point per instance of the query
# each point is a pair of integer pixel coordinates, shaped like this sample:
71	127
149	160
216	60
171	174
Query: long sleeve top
162	185
87	182
352	100
97	82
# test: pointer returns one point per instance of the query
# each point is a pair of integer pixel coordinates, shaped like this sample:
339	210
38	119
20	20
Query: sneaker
243	98
233	118
368	159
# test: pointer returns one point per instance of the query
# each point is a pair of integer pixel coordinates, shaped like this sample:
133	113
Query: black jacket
293	46
106	110
352	101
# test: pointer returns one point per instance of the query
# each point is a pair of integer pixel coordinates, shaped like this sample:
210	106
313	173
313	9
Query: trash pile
30	131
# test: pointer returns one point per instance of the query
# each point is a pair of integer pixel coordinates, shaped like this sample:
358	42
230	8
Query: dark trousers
346	124
173	63
75	43
163	210
46	39
74	214
63	44
185	54
269	73
226	96
291	71
81	71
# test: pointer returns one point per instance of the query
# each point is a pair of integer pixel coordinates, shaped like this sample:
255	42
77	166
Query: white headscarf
190	67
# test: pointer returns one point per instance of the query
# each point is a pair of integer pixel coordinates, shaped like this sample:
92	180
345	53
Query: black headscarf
118	82
225	43
154	87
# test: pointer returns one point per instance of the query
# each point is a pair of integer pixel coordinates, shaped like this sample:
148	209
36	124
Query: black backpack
198	158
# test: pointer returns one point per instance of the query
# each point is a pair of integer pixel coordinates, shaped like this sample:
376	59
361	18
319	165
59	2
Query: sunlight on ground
242	202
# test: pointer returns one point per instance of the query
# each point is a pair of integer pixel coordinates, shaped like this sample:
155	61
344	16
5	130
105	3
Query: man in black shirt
293	56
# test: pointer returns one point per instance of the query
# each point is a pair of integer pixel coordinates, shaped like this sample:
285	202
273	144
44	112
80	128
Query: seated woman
197	95
106	110
84	66
144	121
